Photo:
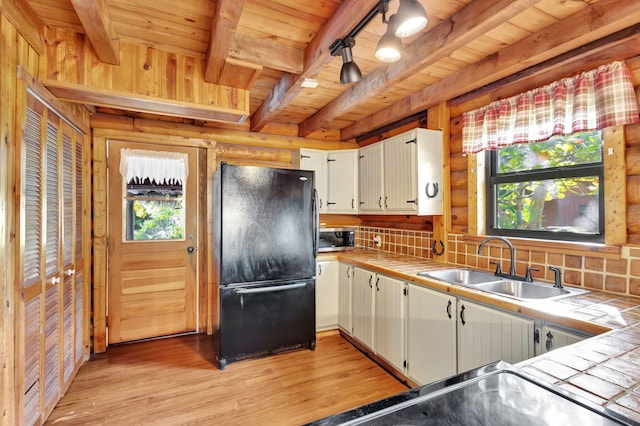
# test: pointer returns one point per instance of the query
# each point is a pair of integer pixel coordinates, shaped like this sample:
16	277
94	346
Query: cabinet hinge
304	156
405	364
331	159
405	291
411	141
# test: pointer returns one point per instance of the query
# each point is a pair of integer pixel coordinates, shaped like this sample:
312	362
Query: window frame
582	170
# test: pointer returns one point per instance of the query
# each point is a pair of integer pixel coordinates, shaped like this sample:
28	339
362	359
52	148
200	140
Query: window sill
565	247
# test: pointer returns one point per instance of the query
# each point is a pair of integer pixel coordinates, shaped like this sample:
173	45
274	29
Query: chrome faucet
512	269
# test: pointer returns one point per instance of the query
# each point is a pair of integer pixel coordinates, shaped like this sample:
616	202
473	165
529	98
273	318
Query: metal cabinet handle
370	278
377	286
380	202
319	268
385	202
449	309
549	343
462	315
353	202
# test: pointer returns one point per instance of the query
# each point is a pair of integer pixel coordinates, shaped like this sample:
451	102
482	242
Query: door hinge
411	141
106	321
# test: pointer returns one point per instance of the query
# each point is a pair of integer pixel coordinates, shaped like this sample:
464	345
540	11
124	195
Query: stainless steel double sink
485	281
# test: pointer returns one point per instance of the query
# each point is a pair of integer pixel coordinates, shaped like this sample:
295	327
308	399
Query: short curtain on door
158	166
593	100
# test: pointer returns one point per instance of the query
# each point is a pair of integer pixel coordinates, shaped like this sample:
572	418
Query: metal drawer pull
270	289
449	309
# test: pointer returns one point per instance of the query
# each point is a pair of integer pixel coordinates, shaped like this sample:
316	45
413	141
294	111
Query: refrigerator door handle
270	289
316	223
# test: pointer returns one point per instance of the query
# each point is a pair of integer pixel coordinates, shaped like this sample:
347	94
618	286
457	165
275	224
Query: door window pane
154	212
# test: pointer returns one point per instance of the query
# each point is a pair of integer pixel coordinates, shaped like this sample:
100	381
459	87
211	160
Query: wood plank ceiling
269	47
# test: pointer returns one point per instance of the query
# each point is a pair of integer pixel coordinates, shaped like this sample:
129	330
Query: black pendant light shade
349	73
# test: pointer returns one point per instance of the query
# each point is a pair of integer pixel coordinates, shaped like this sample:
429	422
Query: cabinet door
429	172
362	306
554	338
316	160
431	335
400	175
326	294
342	171
345	275
389	320
486	335
370	179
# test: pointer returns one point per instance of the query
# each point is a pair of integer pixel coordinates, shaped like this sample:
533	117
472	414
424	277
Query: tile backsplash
614	275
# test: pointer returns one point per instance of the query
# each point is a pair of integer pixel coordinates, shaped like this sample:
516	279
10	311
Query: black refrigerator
265	247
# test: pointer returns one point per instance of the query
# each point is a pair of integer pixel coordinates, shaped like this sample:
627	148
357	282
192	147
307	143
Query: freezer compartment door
268	226
259	319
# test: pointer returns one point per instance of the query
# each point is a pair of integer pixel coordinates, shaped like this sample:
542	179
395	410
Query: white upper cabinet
316	160
371	179
402	174
413	172
342	170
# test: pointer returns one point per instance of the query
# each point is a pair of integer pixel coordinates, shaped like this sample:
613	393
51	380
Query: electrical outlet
377	240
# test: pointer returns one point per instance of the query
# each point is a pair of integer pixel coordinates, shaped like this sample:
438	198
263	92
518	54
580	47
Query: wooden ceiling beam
97	24
464	26
268	54
225	21
316	56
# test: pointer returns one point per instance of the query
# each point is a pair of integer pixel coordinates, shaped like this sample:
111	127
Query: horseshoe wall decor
435	190
435	250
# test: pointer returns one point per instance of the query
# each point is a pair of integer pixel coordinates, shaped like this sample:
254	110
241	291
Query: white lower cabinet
327	294
553	338
389	320
431	335
345	279
362	306
486	335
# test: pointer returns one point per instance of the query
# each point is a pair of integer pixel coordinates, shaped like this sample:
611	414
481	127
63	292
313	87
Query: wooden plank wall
16	51
143	71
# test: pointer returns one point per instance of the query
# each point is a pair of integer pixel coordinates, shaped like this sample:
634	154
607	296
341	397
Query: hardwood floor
173	382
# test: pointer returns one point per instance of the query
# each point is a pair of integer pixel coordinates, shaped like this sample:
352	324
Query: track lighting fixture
349	73
389	47
410	19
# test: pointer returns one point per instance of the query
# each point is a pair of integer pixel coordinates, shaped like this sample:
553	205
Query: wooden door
431	335
399	174
153	259
342	169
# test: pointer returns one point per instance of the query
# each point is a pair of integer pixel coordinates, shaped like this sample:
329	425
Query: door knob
190	249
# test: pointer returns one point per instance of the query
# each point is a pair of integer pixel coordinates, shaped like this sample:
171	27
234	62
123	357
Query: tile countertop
604	369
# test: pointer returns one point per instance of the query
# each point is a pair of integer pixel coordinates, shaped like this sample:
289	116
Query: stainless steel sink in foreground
488	282
495	394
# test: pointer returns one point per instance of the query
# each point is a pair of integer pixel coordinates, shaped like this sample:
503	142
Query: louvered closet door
51	226
31	231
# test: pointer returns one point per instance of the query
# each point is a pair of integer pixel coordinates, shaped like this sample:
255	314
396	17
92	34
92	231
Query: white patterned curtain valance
593	100
158	166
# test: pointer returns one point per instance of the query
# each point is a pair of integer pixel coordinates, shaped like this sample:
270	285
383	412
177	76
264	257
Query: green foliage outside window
550	186
157	220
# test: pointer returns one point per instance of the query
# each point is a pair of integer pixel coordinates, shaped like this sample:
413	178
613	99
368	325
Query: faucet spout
512	268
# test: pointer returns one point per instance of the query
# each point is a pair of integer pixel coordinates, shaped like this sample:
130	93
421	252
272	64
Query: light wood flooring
173	382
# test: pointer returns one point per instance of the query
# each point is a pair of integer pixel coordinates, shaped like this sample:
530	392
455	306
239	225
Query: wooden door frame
206	152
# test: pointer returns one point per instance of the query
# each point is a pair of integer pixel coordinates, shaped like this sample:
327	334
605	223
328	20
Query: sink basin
462	276
488	282
528	291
